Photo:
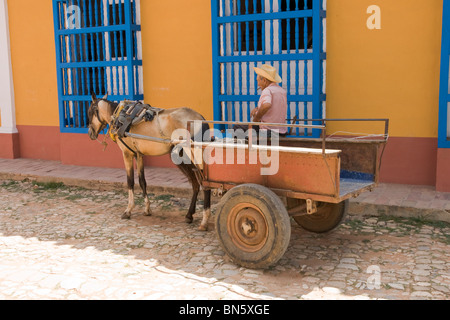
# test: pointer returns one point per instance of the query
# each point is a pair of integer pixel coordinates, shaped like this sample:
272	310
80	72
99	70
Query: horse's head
99	114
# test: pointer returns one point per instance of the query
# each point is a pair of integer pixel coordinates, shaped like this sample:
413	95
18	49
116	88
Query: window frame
444	90
234	87
84	58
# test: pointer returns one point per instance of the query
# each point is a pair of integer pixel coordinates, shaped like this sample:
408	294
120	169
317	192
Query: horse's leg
143	183
129	167
195	189
206	210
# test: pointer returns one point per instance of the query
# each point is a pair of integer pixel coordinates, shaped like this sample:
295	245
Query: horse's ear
105	97
94	98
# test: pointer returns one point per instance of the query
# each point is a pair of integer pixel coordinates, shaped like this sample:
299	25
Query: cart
312	184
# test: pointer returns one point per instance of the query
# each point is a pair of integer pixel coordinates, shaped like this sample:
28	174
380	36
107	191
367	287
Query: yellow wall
33	62
177	51
177	57
392	72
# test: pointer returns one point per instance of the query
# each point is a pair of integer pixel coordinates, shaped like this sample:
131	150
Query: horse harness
128	115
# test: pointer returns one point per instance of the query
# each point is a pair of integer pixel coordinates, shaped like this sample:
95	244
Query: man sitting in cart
272	104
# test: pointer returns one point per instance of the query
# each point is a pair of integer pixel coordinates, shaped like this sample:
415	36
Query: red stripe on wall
39	142
443	170
48	143
79	149
409	161
405	160
9	146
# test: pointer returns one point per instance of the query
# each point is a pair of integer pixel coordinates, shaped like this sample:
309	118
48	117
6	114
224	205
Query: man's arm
262	110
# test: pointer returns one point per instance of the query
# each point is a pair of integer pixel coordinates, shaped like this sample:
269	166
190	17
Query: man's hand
261	112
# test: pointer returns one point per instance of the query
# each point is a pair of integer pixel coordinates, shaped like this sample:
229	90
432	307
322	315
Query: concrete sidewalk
387	199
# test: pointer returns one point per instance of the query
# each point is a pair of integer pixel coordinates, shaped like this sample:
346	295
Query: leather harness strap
129	114
134	152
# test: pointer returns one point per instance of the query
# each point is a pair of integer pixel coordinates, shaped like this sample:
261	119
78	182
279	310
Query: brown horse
162	127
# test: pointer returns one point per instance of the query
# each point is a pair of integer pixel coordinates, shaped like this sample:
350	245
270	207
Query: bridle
96	113
103	123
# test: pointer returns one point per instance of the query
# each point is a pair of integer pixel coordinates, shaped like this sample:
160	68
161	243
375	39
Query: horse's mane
113	104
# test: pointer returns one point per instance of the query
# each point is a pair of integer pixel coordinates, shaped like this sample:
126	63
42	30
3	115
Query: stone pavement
60	242
387	199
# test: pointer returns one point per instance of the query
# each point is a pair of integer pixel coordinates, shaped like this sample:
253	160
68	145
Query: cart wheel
253	226
327	217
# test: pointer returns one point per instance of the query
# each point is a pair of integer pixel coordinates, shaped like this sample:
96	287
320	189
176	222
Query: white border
7	105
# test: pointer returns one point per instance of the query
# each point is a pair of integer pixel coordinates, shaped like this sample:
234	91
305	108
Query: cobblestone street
60	242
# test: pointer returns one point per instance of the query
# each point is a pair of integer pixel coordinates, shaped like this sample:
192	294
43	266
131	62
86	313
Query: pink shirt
277	96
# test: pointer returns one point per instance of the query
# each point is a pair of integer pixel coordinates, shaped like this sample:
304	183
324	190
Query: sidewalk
387	199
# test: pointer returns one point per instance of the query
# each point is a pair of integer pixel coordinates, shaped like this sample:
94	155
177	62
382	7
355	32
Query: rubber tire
278	226
327	217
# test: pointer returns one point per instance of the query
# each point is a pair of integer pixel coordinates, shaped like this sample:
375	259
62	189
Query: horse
162	126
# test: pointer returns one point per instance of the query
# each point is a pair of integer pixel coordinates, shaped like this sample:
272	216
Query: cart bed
303	173
352	187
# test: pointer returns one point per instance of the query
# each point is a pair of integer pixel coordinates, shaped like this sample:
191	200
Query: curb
96	184
365	209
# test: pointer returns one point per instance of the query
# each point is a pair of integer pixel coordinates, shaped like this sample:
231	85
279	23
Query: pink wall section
9	146
409	161
78	149
405	160
48	143
39	142
443	170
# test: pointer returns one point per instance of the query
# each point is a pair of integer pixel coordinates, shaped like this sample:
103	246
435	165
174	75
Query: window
93	55
288	34
251	31
301	26
116	16
293	33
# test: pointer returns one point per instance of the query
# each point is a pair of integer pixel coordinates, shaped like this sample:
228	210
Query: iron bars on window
98	49
288	34
444	97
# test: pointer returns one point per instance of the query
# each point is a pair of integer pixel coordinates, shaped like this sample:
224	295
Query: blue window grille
444	98
288	34
98	49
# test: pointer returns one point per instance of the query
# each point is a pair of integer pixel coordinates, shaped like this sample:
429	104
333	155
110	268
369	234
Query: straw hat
268	72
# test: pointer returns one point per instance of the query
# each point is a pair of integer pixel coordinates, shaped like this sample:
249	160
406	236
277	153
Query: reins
104	123
109	134
103	143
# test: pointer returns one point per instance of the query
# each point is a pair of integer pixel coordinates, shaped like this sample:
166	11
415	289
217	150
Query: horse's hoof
203	228
188	220
126	216
147	214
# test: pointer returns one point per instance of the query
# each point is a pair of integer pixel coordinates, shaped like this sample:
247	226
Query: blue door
97	50
288	34
444	98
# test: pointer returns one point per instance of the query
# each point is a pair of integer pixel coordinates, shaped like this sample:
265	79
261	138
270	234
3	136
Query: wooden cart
314	180
311	183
